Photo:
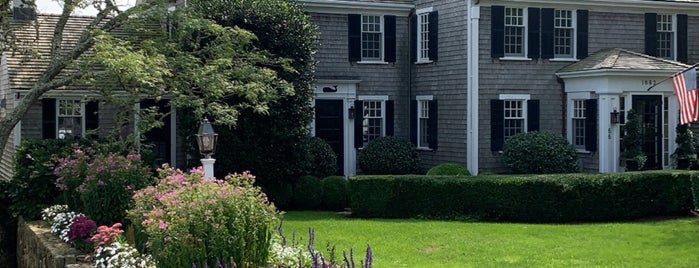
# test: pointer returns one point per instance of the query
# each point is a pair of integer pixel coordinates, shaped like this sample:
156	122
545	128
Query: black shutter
354	32
497	124
413	38
591	125
92	118
682	38
582	34
547	25
533	32
389	118
433	35
48	118
651	34
413	122
389	47
358	124
532	115
432	124
497	31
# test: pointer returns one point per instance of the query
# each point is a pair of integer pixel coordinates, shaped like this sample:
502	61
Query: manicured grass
428	243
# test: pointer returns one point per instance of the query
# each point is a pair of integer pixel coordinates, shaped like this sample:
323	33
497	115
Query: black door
649	109
329	127
158	139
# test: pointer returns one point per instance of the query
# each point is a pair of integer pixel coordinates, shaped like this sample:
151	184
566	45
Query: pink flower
163	225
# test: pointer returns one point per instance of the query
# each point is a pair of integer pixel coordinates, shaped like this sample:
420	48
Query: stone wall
38	248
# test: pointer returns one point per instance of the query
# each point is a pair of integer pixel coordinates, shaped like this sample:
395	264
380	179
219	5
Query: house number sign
648	82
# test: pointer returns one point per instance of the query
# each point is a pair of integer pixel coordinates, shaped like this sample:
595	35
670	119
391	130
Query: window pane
666	36
373	121
514	121
563	34
371	38
579	124
514	32
69	127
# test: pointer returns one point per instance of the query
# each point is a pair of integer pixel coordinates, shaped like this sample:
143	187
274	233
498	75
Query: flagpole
670	77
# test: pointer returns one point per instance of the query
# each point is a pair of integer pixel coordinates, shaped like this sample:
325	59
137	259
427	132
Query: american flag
685	84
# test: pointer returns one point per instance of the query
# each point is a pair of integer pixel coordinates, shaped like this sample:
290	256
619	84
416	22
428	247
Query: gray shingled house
458	77
70	111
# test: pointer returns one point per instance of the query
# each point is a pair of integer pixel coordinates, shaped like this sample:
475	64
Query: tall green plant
686	146
633	138
192	220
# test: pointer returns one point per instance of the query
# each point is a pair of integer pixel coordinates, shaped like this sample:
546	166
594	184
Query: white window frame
421	99
423	49
574	41
382	42
59	115
523	98
578	114
569	119
382	100
525	35
673	30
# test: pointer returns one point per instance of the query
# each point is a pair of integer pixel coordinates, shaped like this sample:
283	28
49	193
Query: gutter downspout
410	74
473	16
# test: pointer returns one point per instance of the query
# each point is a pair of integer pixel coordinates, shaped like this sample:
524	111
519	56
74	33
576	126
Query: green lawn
427	243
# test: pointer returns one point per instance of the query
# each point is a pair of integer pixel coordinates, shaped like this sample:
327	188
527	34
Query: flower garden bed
38	248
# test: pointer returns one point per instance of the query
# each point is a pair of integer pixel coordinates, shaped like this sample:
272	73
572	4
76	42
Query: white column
472	89
208	164
608	134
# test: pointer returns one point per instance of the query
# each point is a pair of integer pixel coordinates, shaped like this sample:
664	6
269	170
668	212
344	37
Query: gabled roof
622	59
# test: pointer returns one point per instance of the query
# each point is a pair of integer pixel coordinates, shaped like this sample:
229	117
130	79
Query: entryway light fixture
350	112
206	139
614	117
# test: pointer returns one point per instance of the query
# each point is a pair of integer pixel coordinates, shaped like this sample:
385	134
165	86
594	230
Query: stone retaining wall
38	248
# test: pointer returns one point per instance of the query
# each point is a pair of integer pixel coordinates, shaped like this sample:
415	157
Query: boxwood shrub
307	193
334	193
538	198
695	190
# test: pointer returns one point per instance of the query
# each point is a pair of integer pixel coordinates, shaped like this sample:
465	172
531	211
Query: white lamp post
206	139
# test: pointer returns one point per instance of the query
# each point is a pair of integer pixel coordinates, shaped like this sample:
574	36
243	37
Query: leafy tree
269	144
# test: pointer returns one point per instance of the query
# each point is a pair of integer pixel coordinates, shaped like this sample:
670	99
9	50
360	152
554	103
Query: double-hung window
579	124
373	118
515	30
372	38
514	117
373	124
666	36
423	31
70	118
564	34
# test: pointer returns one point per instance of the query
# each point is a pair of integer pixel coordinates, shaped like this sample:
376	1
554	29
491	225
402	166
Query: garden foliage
540	153
541	198
308	193
334	193
695	190
322	160
189	219
449	169
389	155
101	184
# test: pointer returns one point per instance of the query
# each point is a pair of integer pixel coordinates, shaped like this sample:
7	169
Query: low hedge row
539	198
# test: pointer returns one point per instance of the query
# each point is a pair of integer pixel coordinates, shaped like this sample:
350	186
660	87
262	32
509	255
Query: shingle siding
446	81
620	30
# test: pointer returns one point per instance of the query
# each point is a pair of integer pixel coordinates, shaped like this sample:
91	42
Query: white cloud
56	7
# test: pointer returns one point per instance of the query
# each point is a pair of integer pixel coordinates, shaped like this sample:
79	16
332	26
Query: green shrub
307	193
389	155
279	192
334	193
540	153
540	198
695	190
33	187
322	159
101	185
449	169
188	219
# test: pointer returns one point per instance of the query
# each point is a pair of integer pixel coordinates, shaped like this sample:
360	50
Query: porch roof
622	60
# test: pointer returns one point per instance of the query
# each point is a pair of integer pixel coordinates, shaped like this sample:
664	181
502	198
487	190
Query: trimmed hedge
449	169
334	193
695	190
307	193
539	198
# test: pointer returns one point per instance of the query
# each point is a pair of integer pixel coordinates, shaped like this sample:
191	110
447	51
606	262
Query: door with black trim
329	126
649	109
158	139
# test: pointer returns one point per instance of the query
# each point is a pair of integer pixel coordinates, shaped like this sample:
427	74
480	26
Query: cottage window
579	124
372	38
564	34
666	36
512	114
514	117
70	118
423	42
514	32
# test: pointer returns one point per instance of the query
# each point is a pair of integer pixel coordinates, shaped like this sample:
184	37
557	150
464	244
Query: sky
54	7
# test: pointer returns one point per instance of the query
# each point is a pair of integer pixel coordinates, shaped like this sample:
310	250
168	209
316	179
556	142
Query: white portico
617	80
